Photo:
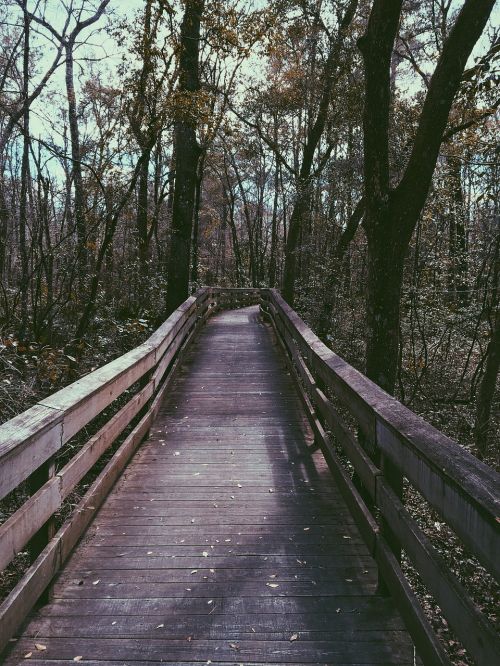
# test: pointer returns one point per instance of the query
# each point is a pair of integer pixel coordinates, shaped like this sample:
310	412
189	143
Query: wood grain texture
460	487
225	537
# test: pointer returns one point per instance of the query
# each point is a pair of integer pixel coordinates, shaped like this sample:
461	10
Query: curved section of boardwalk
225	541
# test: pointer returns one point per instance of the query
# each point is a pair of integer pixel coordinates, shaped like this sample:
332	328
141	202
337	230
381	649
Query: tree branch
413	187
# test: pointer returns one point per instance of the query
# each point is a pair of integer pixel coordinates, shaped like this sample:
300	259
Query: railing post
392	475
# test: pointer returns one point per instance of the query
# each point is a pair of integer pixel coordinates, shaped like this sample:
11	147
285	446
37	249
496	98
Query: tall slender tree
69	42
187	151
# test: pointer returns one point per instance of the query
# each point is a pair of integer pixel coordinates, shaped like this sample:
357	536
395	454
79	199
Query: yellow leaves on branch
192	108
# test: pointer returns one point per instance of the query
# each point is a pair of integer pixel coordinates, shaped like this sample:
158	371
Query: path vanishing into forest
225	540
227	527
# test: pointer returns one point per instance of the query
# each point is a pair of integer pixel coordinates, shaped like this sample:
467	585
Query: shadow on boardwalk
225	541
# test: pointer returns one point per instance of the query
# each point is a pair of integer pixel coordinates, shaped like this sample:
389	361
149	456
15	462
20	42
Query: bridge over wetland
226	528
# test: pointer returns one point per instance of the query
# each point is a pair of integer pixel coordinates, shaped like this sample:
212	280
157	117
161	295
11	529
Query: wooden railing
30	442
463	491
460	488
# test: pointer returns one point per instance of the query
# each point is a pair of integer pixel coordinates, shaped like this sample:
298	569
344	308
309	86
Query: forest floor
30	372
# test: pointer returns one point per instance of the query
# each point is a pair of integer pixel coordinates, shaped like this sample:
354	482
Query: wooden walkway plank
225	541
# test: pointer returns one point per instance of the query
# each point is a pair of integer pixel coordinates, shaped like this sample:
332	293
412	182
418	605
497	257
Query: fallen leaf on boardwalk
272	585
96	582
294	637
205	554
160	626
79	658
40	647
28	655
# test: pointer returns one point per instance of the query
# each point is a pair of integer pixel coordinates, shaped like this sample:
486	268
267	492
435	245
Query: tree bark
23	206
488	385
74	132
457	238
187	156
4	226
142	219
196	219
274	229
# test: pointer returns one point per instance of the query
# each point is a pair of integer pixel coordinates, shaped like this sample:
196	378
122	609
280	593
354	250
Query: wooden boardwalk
225	541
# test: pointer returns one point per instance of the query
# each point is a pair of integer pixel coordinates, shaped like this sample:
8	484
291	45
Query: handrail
31	438
29	442
463	490
392	443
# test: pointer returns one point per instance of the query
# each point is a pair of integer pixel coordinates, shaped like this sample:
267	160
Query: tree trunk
142	220
274	229
79	199
384	279
230	199
487	390
4	226
187	156
292	240
392	214
23	206
458	237
196	220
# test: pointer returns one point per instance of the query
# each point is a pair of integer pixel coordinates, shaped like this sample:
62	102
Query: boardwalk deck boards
225	541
